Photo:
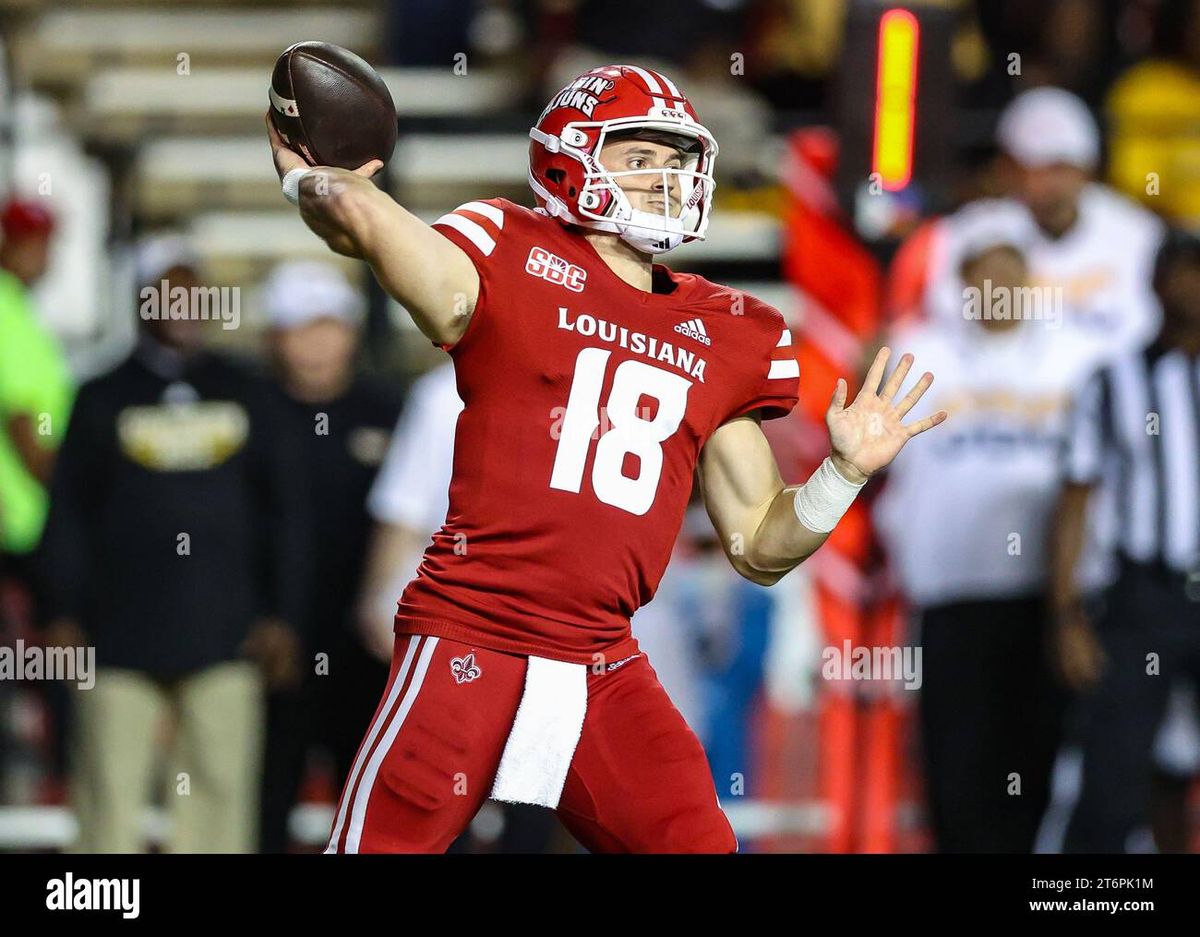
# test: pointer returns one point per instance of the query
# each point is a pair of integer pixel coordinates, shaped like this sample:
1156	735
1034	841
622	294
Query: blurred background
878	162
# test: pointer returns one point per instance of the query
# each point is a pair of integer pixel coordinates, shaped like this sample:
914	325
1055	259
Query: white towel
541	744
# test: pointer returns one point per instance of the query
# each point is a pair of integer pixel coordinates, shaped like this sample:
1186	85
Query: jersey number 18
629	432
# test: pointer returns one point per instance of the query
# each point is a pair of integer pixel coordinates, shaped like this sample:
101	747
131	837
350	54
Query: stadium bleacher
172	95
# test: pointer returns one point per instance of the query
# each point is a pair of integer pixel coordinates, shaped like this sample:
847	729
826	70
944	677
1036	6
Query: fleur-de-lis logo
465	669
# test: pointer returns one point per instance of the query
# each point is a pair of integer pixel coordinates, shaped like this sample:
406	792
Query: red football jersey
586	403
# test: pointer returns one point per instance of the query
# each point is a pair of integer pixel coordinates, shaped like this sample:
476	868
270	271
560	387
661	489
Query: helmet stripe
670	85
652	85
651	82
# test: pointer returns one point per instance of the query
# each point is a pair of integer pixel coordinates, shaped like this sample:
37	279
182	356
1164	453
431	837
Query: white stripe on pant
389	724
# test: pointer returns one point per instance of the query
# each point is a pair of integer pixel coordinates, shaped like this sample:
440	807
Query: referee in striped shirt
1137	424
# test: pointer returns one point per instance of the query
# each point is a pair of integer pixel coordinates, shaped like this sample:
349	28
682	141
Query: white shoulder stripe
490	212
471	230
788	367
784	340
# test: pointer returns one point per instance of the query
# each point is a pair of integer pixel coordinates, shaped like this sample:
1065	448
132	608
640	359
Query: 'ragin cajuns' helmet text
612	102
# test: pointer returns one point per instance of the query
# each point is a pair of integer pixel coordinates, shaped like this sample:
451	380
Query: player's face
318	355
646	192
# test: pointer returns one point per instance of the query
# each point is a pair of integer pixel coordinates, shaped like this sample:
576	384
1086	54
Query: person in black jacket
344	422
177	546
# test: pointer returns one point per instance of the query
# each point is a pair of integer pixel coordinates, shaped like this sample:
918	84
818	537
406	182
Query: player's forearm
1066	545
389	566
38	460
780	543
430	277
800	518
391	545
767	528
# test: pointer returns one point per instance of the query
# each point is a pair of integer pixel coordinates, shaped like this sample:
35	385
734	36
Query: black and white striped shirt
1139	417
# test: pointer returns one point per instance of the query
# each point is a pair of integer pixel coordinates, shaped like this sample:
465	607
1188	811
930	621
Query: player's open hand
287	159
869	433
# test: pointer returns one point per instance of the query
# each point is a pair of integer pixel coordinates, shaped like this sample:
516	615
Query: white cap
983	225
1046	126
299	291
158	253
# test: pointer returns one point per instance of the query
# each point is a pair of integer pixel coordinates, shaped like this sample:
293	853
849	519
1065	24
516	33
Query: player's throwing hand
868	434
320	214
287	159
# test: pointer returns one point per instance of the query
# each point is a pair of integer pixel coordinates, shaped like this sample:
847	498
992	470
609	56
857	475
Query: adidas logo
621	663
694	328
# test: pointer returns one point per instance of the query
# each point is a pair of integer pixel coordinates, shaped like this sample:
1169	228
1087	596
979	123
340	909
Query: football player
595	383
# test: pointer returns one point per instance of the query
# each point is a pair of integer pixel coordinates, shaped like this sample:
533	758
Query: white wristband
822	500
291	184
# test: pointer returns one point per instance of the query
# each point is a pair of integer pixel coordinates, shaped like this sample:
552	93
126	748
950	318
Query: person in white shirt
965	524
1084	238
408	501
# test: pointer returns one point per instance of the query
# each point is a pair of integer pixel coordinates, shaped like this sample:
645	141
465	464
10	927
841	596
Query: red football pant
639	780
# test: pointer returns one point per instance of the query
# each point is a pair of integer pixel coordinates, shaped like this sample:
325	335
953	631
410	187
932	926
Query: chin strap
631	229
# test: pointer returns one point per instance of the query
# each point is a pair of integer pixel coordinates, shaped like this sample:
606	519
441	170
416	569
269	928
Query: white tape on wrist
291	184
822	500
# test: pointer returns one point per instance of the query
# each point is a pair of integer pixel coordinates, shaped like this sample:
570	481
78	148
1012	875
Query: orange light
896	98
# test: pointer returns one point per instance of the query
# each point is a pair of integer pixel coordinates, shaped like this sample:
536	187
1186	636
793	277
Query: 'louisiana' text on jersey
637	342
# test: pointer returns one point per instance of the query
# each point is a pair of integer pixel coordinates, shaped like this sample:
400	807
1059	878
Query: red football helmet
571	184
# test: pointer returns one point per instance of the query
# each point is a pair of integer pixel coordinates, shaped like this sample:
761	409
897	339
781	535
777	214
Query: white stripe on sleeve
490	212
781	368
473	231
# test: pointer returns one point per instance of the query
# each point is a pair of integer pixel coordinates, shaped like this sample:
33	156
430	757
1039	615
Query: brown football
331	107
